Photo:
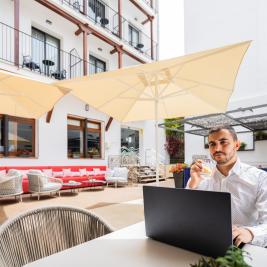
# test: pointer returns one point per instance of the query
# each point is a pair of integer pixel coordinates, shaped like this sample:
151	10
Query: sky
171	28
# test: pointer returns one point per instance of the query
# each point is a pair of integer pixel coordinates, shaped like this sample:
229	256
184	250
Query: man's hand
195	171
242	235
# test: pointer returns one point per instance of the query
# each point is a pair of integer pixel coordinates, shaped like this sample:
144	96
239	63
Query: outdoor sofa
65	173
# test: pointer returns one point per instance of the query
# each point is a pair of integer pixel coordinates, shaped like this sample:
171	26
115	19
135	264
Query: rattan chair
41	184
11	184
44	231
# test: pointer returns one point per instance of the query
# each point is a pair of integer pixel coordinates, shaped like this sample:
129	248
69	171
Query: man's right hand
195	171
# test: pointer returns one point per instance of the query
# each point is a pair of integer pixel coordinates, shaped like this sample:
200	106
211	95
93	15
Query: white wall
209	24
51	138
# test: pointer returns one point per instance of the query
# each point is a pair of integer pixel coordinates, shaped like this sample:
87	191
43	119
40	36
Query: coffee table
74	186
95	183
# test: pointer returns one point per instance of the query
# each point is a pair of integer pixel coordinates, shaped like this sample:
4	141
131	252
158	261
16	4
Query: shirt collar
236	169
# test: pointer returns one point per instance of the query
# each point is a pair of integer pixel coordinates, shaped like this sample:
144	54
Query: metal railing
108	19
41	57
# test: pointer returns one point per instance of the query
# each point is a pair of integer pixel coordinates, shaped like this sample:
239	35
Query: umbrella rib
202	83
118	95
179	92
122	82
171	80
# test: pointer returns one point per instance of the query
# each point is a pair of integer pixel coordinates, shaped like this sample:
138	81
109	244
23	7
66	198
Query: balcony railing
41	57
107	18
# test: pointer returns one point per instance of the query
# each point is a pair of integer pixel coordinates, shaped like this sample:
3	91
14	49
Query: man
247	185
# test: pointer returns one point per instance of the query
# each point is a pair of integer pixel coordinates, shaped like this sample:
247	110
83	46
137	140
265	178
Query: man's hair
224	127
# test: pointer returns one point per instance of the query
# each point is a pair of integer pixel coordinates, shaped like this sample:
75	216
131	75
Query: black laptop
195	220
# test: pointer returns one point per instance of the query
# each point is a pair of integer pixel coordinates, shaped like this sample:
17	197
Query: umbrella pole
156	133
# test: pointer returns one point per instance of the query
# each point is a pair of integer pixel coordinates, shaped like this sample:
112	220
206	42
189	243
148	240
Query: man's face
223	147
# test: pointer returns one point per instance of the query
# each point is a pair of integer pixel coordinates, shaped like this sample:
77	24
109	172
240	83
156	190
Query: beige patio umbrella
191	85
24	97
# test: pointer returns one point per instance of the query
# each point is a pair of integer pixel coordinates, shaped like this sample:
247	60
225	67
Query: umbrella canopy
195	84
26	98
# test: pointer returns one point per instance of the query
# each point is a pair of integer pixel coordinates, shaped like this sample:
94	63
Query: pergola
248	119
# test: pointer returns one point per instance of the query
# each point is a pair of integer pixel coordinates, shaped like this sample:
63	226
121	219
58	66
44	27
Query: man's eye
211	145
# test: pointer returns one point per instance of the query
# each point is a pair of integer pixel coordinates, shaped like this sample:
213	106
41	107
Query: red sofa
65	179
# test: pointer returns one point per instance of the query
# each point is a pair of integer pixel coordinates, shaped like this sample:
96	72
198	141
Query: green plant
234	257
242	146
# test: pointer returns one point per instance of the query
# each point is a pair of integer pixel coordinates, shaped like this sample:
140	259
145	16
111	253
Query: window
45	47
96	9
84	138
17	136
96	65
130	139
134	36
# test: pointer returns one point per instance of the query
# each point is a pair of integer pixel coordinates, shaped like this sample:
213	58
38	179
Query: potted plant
242	146
234	257
178	174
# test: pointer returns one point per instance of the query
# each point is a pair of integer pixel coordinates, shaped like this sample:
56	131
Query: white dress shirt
248	188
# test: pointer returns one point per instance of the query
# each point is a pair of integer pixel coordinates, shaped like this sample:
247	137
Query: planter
178	179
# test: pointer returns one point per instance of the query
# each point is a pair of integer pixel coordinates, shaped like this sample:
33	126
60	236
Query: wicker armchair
11	184
44	231
40	183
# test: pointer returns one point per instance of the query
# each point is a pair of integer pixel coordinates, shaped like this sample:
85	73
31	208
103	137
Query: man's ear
237	145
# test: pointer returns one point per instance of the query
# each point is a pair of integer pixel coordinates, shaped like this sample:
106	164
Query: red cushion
25	182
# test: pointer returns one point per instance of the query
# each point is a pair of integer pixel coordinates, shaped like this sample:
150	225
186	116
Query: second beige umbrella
25	97
191	85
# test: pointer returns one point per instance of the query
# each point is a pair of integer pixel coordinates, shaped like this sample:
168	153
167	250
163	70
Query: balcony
107	18
41	57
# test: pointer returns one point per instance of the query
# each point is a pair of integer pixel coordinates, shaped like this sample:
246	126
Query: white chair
117	176
40	183
11	184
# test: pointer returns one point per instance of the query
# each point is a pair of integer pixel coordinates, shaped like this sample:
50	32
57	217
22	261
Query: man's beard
225	160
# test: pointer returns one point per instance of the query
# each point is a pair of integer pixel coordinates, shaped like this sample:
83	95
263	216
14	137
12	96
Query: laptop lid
195	220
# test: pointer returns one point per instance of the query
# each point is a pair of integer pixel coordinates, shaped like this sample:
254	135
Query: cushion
96	170
51	186
48	172
66	172
58	174
2	172
83	172
120	172
75	174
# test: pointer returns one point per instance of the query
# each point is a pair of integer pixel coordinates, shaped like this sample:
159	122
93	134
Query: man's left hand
242	235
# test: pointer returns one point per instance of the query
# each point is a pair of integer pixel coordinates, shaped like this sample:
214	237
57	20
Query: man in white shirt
247	185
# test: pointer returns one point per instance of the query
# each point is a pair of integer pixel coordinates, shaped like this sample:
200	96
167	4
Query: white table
130	247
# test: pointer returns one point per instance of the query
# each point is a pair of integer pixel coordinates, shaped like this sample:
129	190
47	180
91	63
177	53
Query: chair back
27	59
37	180
44	231
13	185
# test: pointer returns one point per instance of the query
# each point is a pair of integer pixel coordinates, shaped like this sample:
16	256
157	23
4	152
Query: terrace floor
108	203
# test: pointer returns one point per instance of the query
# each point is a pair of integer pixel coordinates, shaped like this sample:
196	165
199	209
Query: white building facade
210	24
50	40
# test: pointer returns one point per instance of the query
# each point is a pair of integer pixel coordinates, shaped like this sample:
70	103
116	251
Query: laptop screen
195	220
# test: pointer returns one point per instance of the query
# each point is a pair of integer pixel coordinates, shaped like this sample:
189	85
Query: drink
206	168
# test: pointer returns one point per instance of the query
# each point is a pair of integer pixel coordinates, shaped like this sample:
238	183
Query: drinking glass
206	168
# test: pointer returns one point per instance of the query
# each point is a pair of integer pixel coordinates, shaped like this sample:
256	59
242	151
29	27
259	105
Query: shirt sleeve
260	231
203	185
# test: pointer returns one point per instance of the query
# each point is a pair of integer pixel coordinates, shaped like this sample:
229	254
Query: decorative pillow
75	174
58	174
96	170
48	172
66	172
83	172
